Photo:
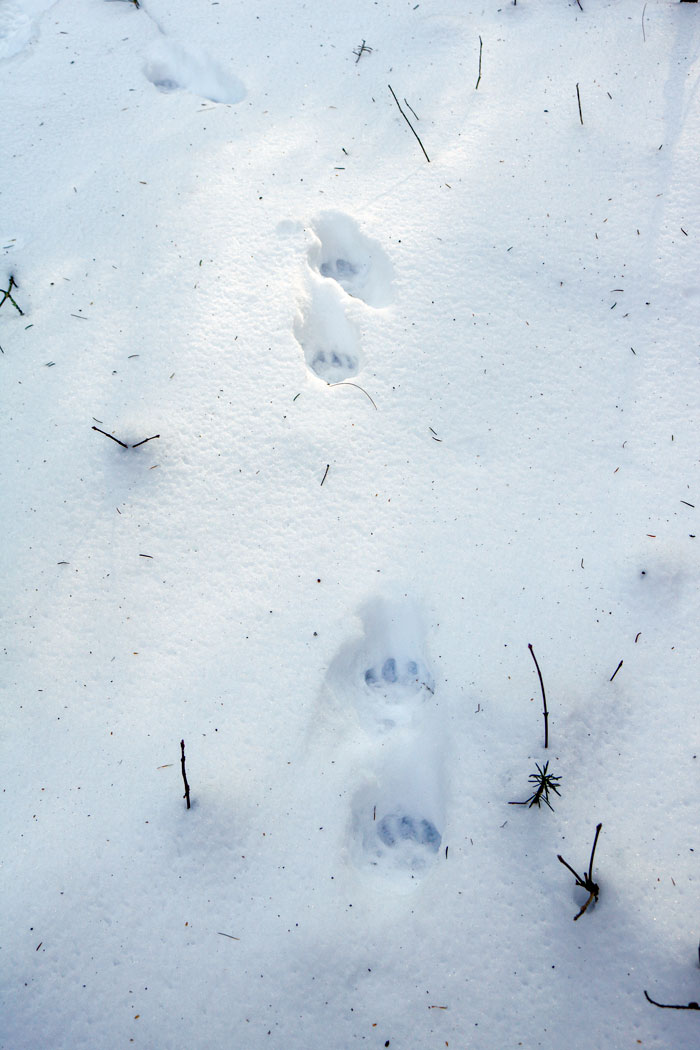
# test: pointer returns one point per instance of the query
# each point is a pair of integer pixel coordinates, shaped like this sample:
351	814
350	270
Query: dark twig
110	436
154	436
586	882
578	96
122	443
671	1006
478	79
418	118
644	32
616	669
184	774
328	467
7	294
361	50
409	123
544	699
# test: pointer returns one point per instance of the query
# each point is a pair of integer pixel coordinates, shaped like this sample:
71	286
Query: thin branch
544	698
578	96
409	123
145	440
595	843
184	774
7	293
478	80
110	436
671	1006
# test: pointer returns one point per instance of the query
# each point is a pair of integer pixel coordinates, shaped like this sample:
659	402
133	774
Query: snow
413	416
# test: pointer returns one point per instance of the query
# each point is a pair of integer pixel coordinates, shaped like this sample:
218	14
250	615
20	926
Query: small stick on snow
478	79
152	438
7	293
123	445
328	467
671	1006
184	774
409	123
616	669
544	698
578	96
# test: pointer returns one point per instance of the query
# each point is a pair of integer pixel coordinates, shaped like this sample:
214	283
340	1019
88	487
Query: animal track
410	673
17	29
356	262
397	814
328	338
171	67
398	827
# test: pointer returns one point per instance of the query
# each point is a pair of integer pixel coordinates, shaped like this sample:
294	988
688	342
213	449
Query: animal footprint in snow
411	673
330	341
359	264
171	67
17	29
396	821
398	828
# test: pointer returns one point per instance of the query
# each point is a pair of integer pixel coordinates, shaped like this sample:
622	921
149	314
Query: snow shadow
359	264
330	341
171	67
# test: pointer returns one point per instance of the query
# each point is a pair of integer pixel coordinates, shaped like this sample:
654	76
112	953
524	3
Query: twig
418	118
544	699
122	443
481	48
409	123
361	50
184	774
230	936
347	382
578	96
328	467
616	669
672	1006
145	440
644	37
7	293
586	882
110	436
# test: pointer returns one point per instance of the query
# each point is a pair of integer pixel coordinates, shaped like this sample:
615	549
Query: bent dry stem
544	698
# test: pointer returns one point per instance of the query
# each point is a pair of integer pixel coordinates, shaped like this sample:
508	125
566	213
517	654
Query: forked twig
7	294
586	883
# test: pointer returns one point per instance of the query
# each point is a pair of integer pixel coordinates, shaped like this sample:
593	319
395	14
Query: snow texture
412	416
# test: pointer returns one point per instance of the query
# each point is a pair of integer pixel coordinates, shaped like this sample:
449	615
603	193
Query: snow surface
413	416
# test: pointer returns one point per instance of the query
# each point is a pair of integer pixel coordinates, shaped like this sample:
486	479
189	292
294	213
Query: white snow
412	416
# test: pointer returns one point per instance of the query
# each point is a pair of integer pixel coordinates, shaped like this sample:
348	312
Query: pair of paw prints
342	260
397	812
